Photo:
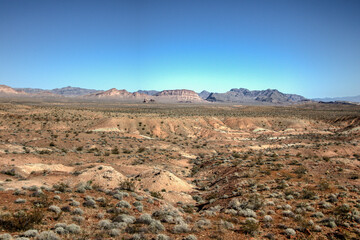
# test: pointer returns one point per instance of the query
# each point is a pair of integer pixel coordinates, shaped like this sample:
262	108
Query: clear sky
297	46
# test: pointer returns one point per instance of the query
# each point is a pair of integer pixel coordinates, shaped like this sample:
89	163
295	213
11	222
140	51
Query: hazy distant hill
74	91
6	90
148	92
30	90
65	91
345	99
243	95
204	94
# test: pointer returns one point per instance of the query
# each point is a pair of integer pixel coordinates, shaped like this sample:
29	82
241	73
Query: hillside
9	91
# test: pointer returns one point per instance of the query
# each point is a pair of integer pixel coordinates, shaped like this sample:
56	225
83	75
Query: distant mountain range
65	91
339	99
243	95
235	95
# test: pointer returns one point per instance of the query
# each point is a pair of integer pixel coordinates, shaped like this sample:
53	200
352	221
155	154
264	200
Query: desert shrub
57	197
73	228
181	228
74	203
188	209
78	211
290	232
126	151
114	232
247	213
156	195
21	220
63	225
166	215
128	185
115	150
354	177
20	200
300	170
137	203
30	233
250	227
123	218
61	187
254	202
48	235
55	209
104	224
10	172
318	215
156	226
226	224
323	185
190	237
78	219
342	212
89	203
5	236
162	237
145	219
123	204
288	213
141	149
60	230
308	194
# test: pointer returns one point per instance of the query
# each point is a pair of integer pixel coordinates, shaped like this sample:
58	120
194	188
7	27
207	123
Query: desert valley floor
179	171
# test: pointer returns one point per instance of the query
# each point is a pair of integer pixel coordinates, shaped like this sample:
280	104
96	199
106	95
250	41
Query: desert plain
108	170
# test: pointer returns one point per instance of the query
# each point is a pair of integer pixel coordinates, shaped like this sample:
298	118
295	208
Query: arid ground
91	170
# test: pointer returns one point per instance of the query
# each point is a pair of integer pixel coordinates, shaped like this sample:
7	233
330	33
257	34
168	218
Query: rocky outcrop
118	94
179	95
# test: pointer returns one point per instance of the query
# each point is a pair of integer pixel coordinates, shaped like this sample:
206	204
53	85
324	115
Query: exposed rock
180	95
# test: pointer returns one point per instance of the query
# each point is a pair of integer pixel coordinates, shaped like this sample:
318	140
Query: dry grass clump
21	220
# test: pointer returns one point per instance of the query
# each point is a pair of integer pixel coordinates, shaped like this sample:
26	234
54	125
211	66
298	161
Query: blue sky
307	47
